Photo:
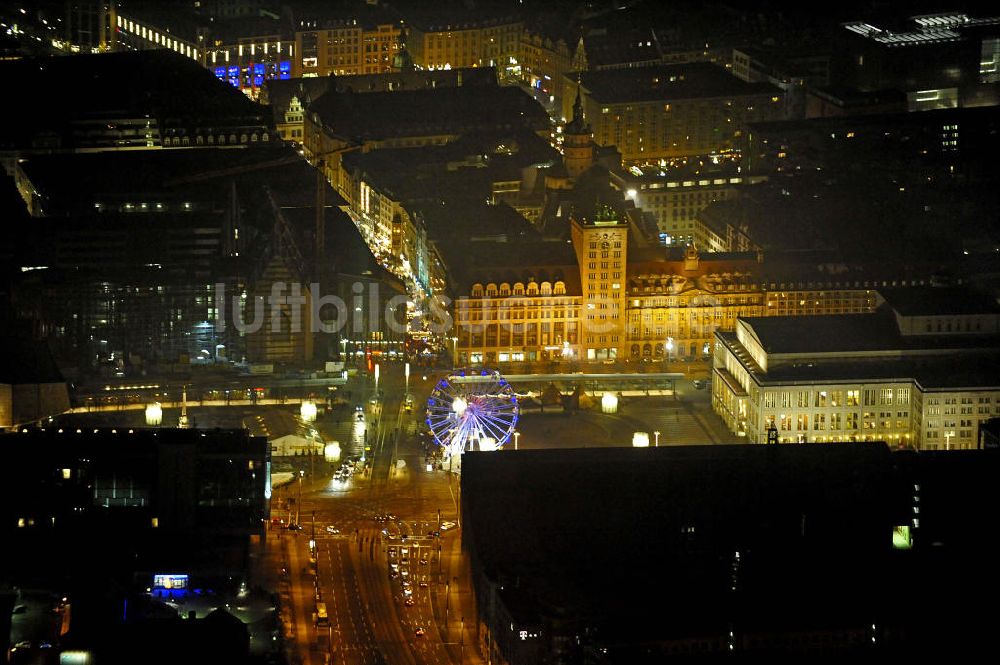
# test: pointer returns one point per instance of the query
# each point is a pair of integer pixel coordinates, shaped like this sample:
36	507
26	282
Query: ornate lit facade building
647	303
528	313
671	111
921	372
476	39
346	47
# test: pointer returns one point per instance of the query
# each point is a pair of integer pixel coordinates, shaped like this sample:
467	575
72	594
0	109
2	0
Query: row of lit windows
834	421
533	288
516	315
155	37
836	398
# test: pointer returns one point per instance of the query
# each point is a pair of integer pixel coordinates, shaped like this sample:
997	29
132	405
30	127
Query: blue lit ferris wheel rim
491	409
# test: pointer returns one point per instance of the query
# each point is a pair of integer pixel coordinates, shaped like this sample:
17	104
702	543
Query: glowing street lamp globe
154	414
472	410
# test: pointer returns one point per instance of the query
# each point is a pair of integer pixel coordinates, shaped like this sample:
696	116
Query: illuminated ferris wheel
472	410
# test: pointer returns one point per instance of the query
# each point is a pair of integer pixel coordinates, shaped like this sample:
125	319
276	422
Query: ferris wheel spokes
472	408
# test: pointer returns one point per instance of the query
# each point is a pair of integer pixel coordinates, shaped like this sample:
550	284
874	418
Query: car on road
332	529
409	602
419	632
405	561
423	562
698	384
423	585
294	527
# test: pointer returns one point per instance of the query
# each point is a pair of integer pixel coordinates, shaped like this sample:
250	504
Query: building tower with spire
578	140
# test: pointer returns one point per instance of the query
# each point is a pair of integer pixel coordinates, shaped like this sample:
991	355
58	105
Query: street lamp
670	347
517	435
308	410
298	503
376	379
656	443
454	351
154	414
406	374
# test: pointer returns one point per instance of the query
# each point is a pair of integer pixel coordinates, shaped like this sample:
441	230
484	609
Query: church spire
578	125
578	104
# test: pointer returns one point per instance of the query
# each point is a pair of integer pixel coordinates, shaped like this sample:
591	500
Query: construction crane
320	231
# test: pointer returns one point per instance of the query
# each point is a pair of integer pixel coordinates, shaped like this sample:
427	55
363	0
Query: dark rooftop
852	333
26	361
74	182
940	301
670	82
543	523
187	23
485	262
158	84
325	14
459	110
455	14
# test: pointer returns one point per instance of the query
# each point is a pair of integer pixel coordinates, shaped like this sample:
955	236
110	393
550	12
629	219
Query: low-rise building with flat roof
921	372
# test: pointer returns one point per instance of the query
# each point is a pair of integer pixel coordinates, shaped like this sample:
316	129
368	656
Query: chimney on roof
690	259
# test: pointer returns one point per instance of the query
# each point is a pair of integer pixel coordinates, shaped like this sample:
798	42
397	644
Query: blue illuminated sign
234	71
285	66
258	69
258	80
220	72
285	75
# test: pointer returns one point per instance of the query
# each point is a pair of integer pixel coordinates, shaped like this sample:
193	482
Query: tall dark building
640	555
144	501
90	25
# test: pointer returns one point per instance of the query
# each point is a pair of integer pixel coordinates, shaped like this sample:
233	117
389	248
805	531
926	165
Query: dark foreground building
120	523
126	502
640	555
